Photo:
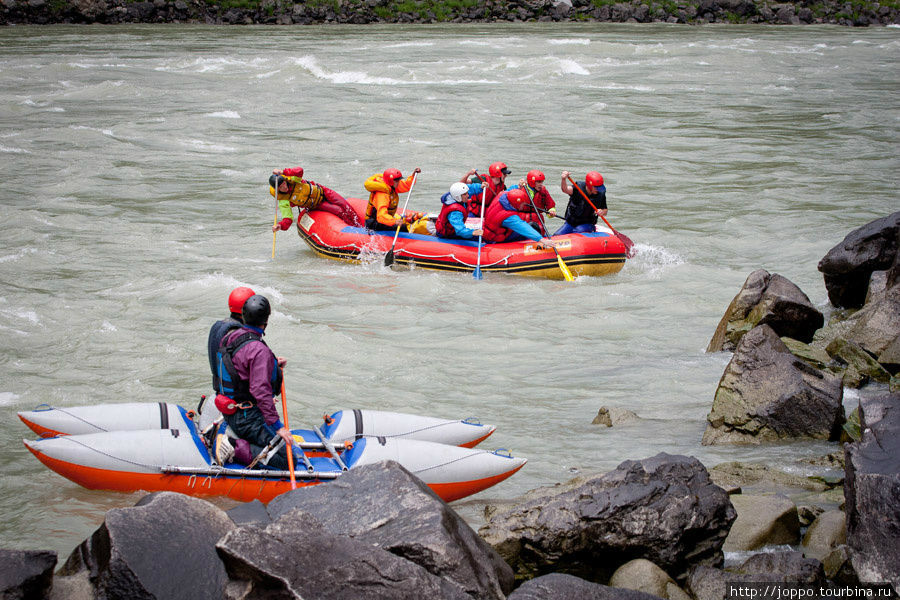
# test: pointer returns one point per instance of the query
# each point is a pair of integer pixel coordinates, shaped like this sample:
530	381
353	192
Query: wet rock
643	576
839	567
766	393
848	266
807	514
613	416
762	521
163	547
26	573
664	509
296	557
560	585
768	299
384	506
872	488
826	533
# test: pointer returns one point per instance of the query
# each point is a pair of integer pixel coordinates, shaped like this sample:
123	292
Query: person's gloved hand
552	212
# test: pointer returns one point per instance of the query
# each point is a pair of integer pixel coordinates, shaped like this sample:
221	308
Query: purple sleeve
259	363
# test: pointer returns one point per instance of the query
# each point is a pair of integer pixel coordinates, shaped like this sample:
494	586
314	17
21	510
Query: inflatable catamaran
159	446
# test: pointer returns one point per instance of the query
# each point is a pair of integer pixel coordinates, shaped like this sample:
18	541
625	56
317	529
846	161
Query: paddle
477	273
629	245
275	222
567	274
289	450
389	257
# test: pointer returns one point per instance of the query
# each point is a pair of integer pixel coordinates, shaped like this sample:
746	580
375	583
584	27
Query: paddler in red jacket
506	219
533	184
293	190
491	186
384	196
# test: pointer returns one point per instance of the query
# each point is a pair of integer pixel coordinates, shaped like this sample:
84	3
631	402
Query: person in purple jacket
250	375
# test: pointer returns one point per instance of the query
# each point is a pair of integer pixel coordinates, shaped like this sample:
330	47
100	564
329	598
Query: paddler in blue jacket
451	222
250	374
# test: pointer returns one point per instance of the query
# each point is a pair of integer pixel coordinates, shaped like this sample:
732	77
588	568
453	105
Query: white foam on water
224	114
8	398
578	41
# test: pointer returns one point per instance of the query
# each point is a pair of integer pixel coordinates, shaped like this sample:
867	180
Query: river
134	198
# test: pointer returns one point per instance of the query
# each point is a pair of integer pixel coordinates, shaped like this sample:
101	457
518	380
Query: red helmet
498	169
237	297
518	199
391	175
594	178
534	176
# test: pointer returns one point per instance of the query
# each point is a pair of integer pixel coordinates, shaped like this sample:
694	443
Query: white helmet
458	189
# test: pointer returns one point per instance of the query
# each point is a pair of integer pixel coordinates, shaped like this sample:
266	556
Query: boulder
643	576
560	585
296	557
762	521
384	506
163	547
860	366
26	573
664	509
767	299
889	358
811	355
766	393
708	583
826	533
848	266
613	416
871	489
875	327
838	567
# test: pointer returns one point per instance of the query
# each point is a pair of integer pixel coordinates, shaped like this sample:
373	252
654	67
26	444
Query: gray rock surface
872	489
384	506
664	509
26	573
766	393
163	547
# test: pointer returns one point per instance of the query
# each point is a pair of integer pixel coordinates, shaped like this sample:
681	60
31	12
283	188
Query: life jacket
375	185
230	382
496	213
305	194
216	334
442	226
491	191
579	212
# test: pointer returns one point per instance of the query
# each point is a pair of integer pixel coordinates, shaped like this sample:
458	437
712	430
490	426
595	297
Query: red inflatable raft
585	254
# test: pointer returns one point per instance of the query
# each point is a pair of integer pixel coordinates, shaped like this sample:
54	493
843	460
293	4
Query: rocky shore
859	13
654	528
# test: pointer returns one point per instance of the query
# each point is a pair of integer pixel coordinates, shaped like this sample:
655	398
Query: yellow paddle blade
565	270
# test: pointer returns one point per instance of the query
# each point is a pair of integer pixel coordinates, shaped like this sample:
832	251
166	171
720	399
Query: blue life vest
230	382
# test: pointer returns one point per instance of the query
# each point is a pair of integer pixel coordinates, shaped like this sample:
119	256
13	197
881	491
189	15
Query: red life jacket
492	191
494	215
442	226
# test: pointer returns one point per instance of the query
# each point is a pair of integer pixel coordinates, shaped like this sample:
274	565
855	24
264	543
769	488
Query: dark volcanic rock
386	507
163	547
848	266
872	489
26	573
296	557
664	509
766	393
